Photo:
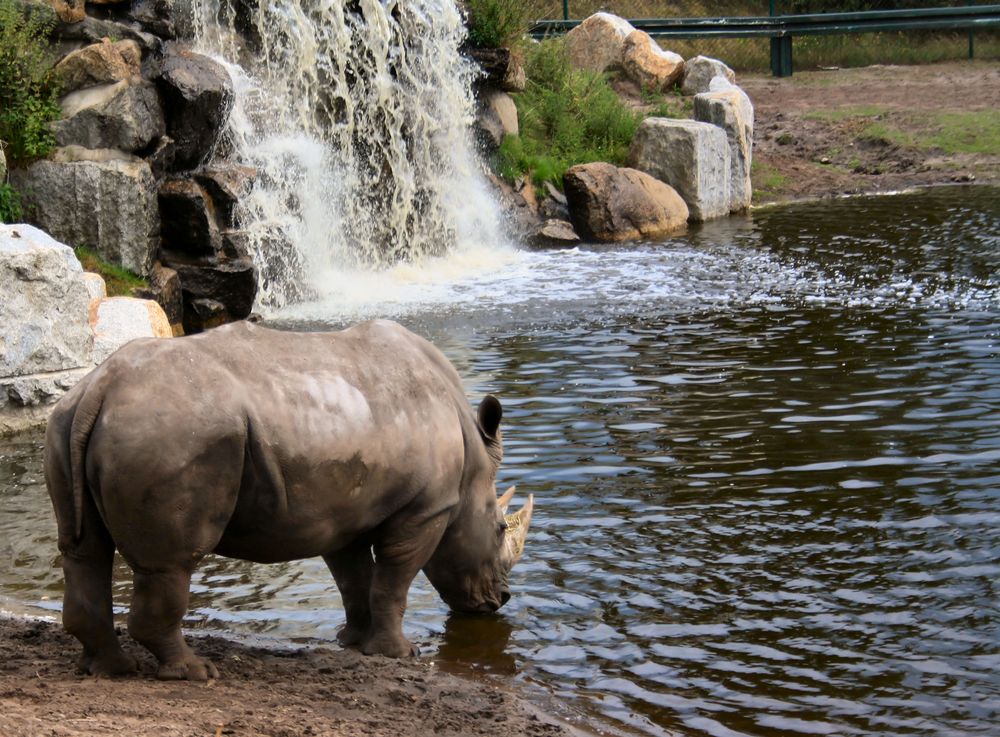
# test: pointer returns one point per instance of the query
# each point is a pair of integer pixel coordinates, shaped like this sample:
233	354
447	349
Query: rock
102	199
230	282
93	30
699	72
165	289
198	96
120	320
69	11
611	204
188	222
3	166
597	43
731	109
690	156
226	185
553	206
204	314
501	70
161	157
648	65
555	234
43	304
158	17
96	287
125	116
100	63
497	117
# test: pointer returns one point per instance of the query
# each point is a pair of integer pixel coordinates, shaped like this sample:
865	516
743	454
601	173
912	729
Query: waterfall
356	115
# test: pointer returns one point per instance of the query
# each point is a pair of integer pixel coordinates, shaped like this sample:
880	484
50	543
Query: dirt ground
874	129
280	693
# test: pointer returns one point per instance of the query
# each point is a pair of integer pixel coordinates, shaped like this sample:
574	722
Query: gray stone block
731	110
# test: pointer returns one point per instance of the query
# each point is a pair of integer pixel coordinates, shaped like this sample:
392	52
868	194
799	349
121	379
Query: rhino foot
108	665
393	646
348	636
191	668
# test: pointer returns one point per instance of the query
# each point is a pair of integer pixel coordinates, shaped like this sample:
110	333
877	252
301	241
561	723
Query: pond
766	464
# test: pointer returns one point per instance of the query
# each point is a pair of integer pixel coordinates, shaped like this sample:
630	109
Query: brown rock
100	63
165	289
555	234
597	43
648	65
611	204
69	11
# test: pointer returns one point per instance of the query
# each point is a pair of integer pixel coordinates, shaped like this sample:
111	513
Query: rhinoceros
358	446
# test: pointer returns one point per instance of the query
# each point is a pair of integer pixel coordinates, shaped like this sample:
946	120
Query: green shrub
567	117
497	23
10	204
28	89
120	282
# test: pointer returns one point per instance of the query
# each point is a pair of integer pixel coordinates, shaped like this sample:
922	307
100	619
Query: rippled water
766	461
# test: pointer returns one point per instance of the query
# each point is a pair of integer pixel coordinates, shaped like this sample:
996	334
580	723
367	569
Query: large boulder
699	73
186	212
691	156
198	96
125	116
648	65
597	43
102	199
43	304
611	204
100	63
116	321
500	69
231	283
730	109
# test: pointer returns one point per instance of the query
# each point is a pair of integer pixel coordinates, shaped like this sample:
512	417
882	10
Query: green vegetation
10	204
120	282
767	181
28	87
566	117
497	23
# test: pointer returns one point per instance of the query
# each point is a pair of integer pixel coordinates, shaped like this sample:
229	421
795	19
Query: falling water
356	116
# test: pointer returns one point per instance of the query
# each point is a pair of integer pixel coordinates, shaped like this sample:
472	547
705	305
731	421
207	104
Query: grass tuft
119	281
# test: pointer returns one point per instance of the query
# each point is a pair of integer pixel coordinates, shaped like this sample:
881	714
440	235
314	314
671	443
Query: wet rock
198	96
188	221
691	156
161	155
100	63
230	282
730	108
226	185
497	117
501	69
699	72
116	321
103	199
94	30
555	233
164	287
125	116
43	304
597	43
611	204
648	65
159	17
204	314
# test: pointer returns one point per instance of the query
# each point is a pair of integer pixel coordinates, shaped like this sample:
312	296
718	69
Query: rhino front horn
517	531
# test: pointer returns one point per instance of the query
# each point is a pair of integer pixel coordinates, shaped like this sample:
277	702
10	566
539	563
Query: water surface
766	463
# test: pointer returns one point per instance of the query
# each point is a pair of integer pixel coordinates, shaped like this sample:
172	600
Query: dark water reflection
772	512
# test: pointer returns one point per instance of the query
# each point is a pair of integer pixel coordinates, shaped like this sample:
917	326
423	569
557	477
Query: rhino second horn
504	501
517	533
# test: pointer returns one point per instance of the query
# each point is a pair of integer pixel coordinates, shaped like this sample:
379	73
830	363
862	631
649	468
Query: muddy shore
260	691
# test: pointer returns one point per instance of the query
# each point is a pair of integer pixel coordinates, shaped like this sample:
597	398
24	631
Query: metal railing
781	29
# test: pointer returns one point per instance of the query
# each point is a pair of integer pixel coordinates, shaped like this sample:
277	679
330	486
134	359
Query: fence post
565	9
781	50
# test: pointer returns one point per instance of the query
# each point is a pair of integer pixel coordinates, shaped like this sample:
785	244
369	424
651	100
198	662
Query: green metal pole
565	9
972	44
773	7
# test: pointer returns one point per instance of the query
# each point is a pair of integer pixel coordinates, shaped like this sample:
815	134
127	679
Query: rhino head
471	565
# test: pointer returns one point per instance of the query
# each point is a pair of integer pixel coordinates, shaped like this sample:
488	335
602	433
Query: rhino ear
490	413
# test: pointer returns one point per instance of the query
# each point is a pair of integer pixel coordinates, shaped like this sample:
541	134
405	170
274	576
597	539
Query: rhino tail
84	419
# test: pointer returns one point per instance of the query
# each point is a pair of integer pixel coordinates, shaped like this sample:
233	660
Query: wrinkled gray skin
271	446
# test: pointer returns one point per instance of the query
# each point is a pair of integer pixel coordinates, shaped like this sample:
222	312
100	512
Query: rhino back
285	444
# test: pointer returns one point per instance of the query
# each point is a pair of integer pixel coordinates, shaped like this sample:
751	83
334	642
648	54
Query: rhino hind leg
353	569
87	603
159	602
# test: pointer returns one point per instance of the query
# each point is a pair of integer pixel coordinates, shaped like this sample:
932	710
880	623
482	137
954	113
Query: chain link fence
810	52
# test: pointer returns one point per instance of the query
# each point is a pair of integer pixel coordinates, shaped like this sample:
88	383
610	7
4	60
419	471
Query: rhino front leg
402	550
353	569
159	602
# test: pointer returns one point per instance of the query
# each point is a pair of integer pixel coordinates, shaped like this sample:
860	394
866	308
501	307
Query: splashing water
356	116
